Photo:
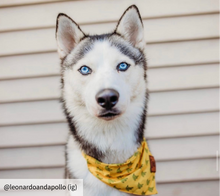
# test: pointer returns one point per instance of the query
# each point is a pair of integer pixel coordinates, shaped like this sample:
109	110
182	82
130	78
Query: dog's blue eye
84	70
123	67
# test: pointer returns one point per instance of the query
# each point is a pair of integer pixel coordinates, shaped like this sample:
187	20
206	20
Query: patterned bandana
135	176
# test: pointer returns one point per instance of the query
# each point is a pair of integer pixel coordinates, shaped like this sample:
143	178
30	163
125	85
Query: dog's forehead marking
113	40
104	54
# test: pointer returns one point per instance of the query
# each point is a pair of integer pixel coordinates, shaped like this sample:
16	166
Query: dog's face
103	76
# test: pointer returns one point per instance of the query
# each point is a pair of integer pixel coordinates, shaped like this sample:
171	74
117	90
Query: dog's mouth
109	115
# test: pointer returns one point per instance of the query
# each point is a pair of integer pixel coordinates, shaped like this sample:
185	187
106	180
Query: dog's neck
113	141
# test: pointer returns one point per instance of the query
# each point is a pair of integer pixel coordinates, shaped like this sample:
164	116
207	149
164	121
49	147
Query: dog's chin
109	115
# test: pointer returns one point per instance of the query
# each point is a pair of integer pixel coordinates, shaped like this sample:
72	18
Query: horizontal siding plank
190	148
31	112
29	41
33	135
202	188
33	193
186	77
186	125
158	55
34	157
148	9
160	103
181	28
157	30
6	3
183	101
183	53
182	125
49	182
29	65
162	79
41	173
53	156
187	170
30	89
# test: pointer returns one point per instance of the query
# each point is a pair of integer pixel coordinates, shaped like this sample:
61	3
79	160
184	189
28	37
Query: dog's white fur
116	138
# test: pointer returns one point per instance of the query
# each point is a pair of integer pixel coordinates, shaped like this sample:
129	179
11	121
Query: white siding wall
183	60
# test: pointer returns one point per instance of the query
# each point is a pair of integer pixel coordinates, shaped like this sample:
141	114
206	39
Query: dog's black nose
107	98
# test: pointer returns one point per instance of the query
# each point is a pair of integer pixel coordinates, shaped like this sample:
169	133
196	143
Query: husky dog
104	95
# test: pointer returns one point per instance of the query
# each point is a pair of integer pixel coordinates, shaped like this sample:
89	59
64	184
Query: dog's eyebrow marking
84	47
79	52
132	53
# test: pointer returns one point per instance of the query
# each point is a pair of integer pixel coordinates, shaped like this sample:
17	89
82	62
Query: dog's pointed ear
68	34
130	27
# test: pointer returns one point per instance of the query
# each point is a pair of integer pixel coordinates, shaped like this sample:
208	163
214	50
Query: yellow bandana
135	176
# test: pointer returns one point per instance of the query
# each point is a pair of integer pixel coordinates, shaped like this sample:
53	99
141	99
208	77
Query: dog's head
103	76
